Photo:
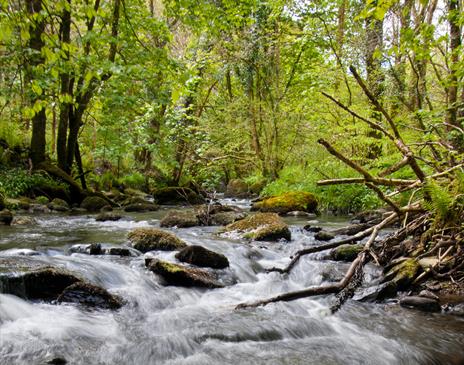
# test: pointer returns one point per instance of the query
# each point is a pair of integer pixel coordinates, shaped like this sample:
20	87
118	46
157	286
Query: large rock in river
180	218
35	279
151	239
201	256
93	203
6	217
141	207
288	202
261	227
346	252
89	295
179	275
177	195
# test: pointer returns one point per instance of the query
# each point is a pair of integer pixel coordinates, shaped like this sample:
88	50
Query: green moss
42	199
404	273
169	267
261	227
346	252
93	203
150	239
291	201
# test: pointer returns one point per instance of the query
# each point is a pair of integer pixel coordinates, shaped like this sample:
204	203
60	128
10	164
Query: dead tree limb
405	150
361	180
355	238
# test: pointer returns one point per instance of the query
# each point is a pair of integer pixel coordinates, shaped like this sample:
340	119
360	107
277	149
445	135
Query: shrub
17	182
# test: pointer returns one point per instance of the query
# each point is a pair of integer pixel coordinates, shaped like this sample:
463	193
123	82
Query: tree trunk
65	91
455	43
39	120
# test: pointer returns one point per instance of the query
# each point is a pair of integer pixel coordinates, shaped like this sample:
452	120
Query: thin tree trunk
65	92
39	120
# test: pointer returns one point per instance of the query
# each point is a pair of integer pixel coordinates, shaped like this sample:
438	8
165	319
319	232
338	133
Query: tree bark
35	43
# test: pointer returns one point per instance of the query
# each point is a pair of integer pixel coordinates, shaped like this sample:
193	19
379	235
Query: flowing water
174	325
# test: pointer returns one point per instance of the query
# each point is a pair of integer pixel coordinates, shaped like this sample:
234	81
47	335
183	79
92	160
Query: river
175	325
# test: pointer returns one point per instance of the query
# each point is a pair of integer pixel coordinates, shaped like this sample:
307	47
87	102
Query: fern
441	201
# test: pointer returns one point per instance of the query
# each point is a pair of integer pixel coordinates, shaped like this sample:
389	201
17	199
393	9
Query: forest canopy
148	93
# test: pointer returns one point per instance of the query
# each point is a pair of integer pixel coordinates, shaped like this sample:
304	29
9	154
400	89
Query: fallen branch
361	180
355	266
355	238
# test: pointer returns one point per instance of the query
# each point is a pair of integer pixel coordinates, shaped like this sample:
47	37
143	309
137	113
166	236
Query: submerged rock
105	216
177	195
181	219
200	256
6	217
97	249
179	275
151	239
89	295
346	252
93	203
421	303
288	202
261	227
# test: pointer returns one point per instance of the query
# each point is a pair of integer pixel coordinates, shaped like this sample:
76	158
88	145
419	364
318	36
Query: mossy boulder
324	236
151	239
33	279
93	203
181	219
6	217
89	295
42	200
201	256
346	252
106	216
288	202
225	218
141	207
177	195
403	273
179	275
23	221
58	205
237	188
261	227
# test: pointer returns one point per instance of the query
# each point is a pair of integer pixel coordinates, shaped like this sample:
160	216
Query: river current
175	325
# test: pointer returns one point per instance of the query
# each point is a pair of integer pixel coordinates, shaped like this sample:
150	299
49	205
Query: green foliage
17	182
135	180
337	198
